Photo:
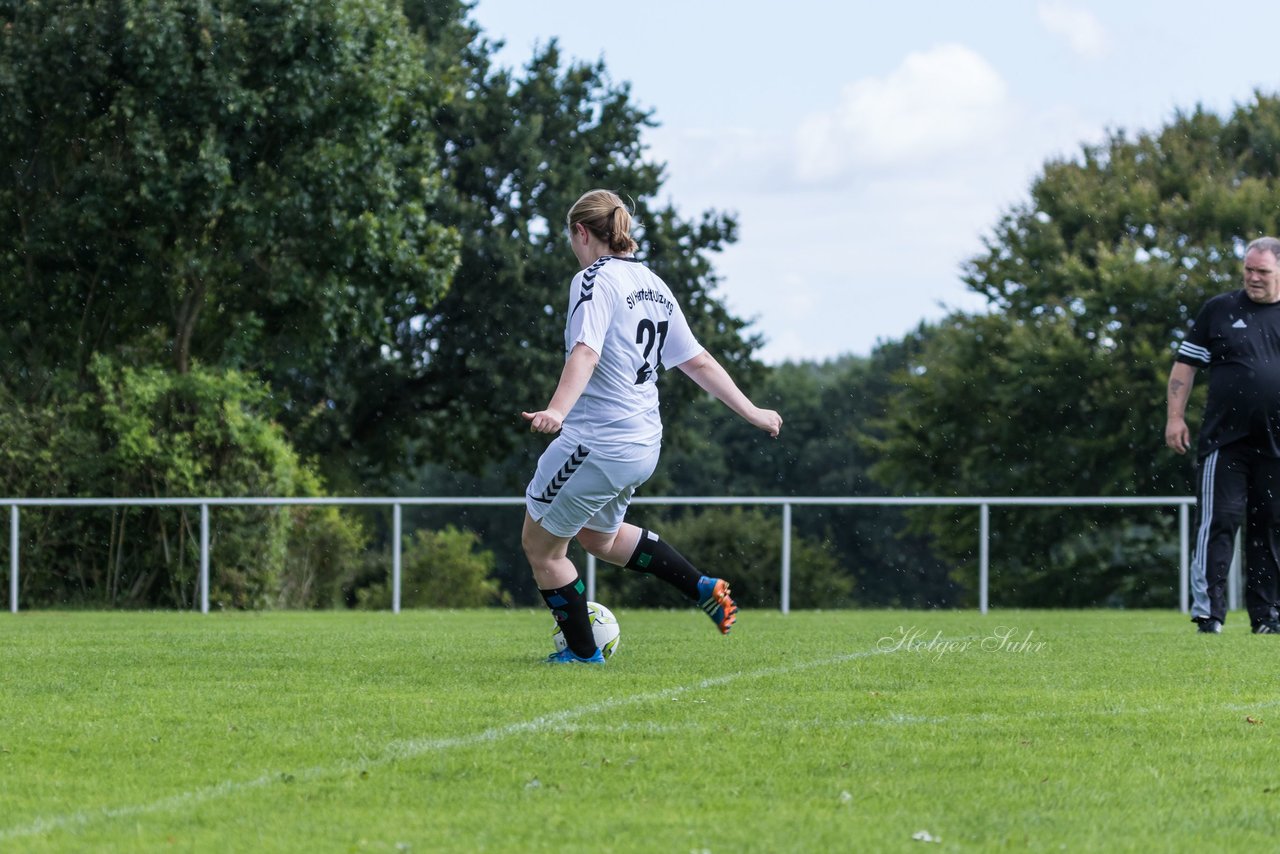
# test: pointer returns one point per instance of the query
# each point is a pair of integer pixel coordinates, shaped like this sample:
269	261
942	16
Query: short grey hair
1265	244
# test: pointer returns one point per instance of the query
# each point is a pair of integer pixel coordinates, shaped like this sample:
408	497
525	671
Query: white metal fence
984	506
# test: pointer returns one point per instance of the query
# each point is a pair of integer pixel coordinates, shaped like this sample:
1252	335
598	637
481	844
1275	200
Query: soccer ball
604	626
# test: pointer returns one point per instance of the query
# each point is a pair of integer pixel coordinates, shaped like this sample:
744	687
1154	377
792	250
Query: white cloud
901	177
1082	30
937	102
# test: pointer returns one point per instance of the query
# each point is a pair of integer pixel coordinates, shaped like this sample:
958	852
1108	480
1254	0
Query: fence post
984	556
13	558
786	558
204	558
1184	563
395	557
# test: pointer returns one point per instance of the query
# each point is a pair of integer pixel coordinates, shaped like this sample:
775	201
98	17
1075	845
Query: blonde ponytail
603	214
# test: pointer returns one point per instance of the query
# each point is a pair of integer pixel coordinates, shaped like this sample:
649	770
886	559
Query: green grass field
442	731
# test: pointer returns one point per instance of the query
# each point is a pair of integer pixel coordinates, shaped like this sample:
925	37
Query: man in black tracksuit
1237	336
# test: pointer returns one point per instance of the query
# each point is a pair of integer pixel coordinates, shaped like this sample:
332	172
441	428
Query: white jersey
624	312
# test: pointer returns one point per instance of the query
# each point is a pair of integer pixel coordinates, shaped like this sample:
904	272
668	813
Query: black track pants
1237	482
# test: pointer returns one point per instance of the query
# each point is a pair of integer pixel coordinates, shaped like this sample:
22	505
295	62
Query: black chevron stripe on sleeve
589	283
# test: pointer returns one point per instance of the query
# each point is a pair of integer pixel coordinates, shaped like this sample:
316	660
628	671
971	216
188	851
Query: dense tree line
315	247
1059	388
328	224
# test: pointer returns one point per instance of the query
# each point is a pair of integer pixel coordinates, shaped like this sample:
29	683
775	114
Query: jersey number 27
647	335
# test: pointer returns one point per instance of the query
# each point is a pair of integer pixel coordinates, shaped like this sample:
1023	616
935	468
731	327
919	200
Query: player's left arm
711	376
578	369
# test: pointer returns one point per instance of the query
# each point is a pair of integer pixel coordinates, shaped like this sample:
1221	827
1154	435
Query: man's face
1262	276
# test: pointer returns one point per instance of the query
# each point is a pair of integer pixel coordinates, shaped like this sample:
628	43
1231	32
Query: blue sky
867	148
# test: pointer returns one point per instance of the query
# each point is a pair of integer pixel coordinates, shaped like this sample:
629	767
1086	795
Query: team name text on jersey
648	295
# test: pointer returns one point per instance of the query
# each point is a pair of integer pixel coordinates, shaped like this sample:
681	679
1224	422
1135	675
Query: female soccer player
623	324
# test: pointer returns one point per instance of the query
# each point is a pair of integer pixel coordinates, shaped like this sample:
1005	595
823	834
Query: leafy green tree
517	153
1059	390
245	184
282	187
831	409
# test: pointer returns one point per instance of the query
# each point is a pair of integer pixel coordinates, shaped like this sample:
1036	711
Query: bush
743	546
133	432
325	548
441	569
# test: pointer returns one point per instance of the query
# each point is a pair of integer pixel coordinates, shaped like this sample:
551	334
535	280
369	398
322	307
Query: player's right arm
711	376
1176	434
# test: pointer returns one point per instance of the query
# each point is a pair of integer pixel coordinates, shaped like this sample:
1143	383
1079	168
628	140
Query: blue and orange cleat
713	597
567	656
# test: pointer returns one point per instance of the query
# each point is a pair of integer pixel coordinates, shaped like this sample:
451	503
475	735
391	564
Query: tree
517	153
831	409
246	185
197	197
1059	389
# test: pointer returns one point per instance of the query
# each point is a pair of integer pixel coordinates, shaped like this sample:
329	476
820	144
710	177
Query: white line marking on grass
399	751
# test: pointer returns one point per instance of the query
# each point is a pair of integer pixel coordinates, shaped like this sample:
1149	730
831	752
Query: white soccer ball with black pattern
604	626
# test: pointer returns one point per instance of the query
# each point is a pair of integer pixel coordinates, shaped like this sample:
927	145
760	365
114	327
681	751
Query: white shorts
574	488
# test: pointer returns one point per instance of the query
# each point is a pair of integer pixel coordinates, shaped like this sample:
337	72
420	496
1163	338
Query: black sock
568	605
654	556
